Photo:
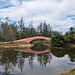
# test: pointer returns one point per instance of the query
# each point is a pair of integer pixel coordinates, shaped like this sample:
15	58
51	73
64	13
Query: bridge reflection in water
21	59
37	48
32	51
20	62
29	50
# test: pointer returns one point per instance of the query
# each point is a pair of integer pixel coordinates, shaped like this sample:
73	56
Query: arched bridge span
28	40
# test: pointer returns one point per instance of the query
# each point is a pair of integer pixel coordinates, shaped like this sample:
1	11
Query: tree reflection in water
10	59
44	58
61	52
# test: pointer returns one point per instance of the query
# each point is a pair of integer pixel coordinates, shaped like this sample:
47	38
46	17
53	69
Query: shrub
71	40
59	41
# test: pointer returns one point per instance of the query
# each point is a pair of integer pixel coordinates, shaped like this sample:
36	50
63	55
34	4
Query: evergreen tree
4	28
40	27
72	31
21	27
45	29
32	31
12	32
8	31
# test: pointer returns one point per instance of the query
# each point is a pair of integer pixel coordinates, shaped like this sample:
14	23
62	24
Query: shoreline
69	46
24	45
69	72
17	46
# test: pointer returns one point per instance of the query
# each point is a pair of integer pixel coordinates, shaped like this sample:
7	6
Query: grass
18	43
40	41
70	72
14	43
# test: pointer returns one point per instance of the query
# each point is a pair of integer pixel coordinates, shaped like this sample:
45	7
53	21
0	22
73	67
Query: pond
19	62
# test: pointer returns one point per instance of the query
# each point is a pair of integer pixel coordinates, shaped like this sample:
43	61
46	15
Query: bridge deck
28	40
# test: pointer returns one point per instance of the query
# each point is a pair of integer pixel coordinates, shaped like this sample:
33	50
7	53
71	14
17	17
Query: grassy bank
15	45
70	72
40	41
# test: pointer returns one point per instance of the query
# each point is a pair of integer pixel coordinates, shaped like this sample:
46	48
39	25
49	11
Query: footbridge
28	40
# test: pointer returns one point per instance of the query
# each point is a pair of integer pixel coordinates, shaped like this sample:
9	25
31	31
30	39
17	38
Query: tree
72	32
32	31
59	41
21	27
49	31
8	31
4	29
71	39
40	27
54	33
45	29
11	33
71	35
67	34
1	35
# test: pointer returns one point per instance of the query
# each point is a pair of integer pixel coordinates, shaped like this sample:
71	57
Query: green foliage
56	33
71	35
71	32
8	31
45	29
59	40
71	40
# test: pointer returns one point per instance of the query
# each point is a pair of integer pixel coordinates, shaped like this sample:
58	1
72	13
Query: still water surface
22	63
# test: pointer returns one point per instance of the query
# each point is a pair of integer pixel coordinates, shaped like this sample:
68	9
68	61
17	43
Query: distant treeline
64	40
10	31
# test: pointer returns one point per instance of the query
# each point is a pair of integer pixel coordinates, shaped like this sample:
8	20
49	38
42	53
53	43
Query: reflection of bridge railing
32	51
28	40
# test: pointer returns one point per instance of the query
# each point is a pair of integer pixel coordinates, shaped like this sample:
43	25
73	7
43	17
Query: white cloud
54	12
14	2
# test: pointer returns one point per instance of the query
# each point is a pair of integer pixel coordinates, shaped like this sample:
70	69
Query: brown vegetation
70	72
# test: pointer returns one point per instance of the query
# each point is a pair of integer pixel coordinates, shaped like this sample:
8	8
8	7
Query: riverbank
24	45
70	72
15	45
69	46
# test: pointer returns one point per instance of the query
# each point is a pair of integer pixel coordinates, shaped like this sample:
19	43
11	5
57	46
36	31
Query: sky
60	14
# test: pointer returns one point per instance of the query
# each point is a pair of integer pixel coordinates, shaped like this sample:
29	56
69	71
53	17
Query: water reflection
18	62
9	59
61	52
39	47
44	58
29	50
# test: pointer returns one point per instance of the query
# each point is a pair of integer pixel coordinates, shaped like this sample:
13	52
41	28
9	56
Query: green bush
59	41
71	40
